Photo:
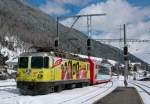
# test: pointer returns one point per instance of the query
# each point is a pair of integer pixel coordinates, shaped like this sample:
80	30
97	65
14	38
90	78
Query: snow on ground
144	96
147	83
8	82
9	94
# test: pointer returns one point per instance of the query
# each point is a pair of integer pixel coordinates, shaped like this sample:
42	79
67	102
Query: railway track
97	94
89	95
141	86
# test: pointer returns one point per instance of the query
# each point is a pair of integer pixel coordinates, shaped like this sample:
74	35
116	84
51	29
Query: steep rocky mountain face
25	26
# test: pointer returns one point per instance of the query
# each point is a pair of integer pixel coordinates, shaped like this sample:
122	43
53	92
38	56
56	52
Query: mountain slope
29	26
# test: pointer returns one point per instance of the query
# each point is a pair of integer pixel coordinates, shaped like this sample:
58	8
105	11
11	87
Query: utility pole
89	30
119	52
125	57
57	38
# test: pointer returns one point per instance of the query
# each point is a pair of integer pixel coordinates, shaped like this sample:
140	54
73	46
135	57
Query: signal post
125	58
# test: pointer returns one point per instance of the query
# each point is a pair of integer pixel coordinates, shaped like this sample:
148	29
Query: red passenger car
99	72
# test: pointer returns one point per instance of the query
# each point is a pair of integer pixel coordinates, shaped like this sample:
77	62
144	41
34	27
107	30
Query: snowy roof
135	63
93	58
112	62
26	54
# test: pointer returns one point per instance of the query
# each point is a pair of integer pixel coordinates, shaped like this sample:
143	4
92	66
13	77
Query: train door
57	68
52	71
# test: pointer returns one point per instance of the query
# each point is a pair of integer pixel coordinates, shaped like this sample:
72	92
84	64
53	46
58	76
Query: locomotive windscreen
39	62
23	62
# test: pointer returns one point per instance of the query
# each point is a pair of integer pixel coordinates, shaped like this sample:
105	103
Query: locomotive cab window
23	62
37	62
40	62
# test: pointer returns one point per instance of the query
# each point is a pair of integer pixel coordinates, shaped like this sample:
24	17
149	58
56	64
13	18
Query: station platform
121	95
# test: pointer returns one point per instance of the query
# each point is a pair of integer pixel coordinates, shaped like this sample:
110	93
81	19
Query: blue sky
76	8
141	3
134	2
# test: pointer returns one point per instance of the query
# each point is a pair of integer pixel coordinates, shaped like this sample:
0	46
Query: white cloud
53	8
57	7
118	12
74	2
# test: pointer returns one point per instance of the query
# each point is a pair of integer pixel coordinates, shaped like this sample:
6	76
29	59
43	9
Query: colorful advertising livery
65	69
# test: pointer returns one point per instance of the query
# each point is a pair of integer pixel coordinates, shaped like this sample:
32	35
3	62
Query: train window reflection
103	70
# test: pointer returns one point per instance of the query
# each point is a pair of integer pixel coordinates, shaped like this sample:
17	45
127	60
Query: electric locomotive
44	72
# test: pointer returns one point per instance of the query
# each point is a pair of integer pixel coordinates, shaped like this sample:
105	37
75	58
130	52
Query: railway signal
126	53
56	44
89	42
125	58
88	46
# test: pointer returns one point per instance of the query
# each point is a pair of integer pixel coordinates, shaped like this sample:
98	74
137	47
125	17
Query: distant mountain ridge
29	26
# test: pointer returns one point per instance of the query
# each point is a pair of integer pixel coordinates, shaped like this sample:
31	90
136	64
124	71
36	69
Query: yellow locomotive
45	72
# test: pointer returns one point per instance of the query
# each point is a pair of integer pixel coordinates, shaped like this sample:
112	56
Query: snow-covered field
9	94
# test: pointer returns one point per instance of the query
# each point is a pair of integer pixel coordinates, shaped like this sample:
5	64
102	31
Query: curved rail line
84	93
88	93
97	94
138	85
143	85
